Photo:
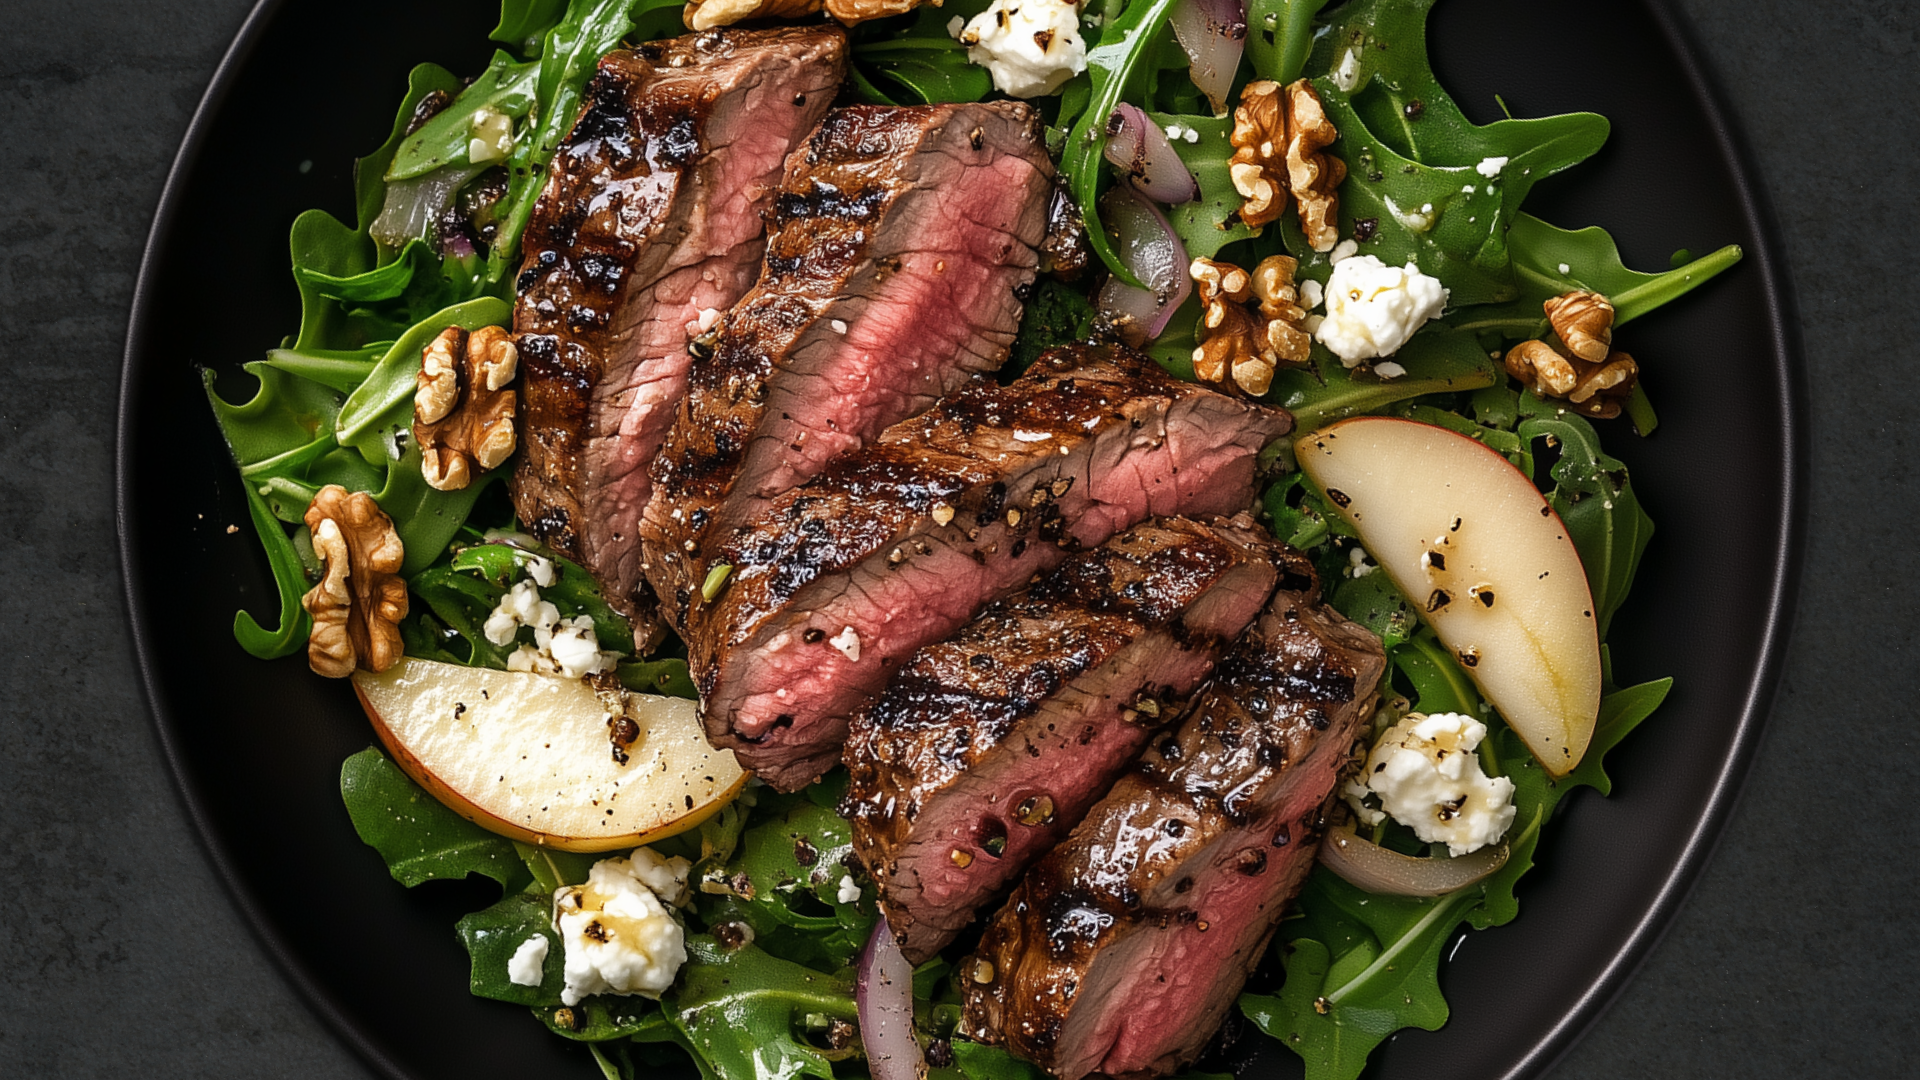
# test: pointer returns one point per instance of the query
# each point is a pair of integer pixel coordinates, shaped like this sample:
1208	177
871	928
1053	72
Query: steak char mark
899	240
1120	952
838	583
988	747
649	226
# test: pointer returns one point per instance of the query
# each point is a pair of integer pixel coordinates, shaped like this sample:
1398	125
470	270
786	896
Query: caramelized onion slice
1371	867
1214	34
884	993
1138	147
1149	247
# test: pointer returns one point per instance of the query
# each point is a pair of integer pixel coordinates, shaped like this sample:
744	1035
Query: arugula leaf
1437	360
505	87
784	881
552	868
1594	497
524	22
924	60
383	404
667	676
1280	35
1413	158
1115	65
1372	601
289	579
418	837
605	1017
737	1012
492	937
1593	262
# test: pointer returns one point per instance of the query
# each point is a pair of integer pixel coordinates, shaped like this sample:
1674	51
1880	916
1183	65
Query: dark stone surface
122	955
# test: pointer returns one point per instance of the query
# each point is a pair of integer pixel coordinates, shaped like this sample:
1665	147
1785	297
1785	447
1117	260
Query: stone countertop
123	957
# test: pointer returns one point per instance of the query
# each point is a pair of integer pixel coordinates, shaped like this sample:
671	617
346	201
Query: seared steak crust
988	747
1120	953
651	216
838	582
898	242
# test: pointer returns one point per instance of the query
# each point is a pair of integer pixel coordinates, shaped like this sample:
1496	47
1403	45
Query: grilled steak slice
650	218
899	239
988	747
1120	953
837	584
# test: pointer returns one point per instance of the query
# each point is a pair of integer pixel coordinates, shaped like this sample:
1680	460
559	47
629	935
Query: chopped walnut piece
358	605
462	413
1314	176
851	12
1584	321
1258	166
1596	388
1235	341
1278	137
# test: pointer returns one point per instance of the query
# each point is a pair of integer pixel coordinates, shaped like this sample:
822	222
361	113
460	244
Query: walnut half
1581	367
462	413
1279	137
1238	343
361	598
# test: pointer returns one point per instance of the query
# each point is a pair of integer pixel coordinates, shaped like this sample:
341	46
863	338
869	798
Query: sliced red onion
1214	33
1146	243
884	993
1378	870
1138	148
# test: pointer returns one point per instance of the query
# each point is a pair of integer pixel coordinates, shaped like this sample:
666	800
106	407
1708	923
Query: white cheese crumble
1490	167
1031	47
1387	369
524	967
1373	308
848	642
1346	74
1362	565
560	646
1428	778
1344	250
489	137
1311	294
849	892
1565	269
619	936
541	571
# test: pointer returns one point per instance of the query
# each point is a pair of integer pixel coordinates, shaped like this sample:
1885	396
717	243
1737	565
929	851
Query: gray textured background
120	955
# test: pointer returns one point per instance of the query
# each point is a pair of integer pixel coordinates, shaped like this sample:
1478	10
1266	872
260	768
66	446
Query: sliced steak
650	218
839	582
899	240
988	747
1120	953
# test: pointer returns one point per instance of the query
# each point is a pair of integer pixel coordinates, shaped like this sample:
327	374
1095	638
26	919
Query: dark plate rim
1552	1044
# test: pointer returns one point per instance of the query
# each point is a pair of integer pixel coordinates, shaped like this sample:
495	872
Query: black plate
256	746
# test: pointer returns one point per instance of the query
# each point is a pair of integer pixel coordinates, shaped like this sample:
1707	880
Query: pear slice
530	757
1475	546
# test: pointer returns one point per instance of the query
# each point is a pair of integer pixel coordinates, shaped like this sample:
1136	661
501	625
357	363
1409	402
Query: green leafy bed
333	406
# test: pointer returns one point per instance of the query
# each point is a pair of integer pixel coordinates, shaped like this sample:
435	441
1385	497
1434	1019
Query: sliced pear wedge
1469	539
530	757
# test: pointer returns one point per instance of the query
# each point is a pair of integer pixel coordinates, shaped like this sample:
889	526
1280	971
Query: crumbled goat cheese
1311	294
1565	269
1387	369
560	646
849	892
1373	308
1428	778
541	571
524	968
1490	167
1031	47
1362	565
848	642
1344	250
619	936
490	137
